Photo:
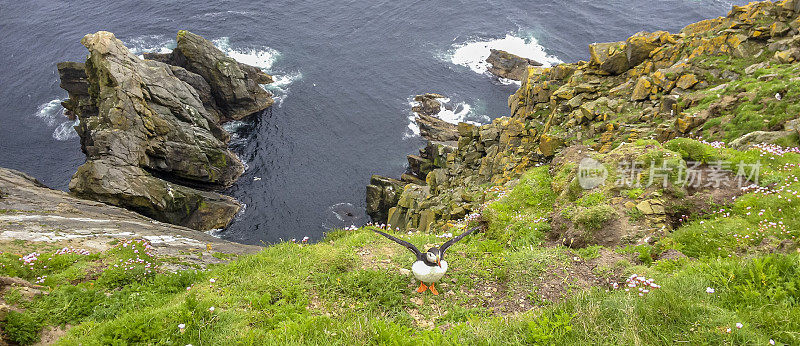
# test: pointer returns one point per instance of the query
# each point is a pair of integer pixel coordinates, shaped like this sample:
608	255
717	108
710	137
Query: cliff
151	130
716	80
597	226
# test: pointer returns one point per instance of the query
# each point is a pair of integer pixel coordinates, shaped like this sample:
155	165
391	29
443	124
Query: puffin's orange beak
439	262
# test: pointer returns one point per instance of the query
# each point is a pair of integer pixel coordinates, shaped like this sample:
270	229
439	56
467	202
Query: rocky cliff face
718	80
151	131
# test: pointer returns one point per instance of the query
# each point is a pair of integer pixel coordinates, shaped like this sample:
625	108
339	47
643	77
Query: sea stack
151	130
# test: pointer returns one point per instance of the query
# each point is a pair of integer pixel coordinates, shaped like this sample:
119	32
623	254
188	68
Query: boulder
758	137
610	57
687	81
507	65
236	90
427	104
149	140
642	90
639	46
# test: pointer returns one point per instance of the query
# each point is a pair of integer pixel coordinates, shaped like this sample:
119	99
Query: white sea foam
473	53
150	44
52	114
262	57
66	131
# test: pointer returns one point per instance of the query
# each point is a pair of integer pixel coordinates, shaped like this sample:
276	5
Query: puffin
430	266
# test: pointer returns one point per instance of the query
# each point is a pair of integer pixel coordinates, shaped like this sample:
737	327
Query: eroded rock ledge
32	212
151	130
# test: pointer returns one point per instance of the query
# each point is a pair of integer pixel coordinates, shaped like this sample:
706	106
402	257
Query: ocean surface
345	71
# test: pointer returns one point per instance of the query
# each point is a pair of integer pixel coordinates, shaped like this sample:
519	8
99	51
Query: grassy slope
349	288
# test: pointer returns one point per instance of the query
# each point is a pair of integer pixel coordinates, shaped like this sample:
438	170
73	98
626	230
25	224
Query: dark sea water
346	70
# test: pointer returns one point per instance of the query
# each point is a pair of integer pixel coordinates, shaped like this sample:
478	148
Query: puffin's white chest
428	274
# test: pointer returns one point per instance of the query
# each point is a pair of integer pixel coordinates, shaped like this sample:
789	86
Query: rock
687	81
791	125
427	104
788	56
431	127
73	78
435	129
755	67
639	46
779	29
149	140
549	145
610	57
34	210
757	137
645	208
235	90
642	89
671	255
507	65
382	194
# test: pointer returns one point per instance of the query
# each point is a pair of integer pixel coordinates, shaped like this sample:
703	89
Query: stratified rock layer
151	131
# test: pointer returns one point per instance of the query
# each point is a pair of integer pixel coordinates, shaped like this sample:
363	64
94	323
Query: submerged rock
151	131
507	65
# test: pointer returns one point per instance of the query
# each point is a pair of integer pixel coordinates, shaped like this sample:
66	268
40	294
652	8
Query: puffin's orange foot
433	289
422	287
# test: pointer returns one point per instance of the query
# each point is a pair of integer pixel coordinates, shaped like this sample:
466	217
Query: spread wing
401	242
456	239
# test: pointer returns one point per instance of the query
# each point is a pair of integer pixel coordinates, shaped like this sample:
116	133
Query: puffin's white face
431	257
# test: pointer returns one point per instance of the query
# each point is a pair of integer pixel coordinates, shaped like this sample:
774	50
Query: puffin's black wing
456	239
401	242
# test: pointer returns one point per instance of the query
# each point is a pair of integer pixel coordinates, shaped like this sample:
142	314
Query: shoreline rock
430	126
151	131
510	66
33	212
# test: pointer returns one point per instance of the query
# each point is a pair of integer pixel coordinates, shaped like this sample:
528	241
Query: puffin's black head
433	257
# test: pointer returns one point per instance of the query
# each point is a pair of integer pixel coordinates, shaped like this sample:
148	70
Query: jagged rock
549	145
435	129
428	104
758	137
639	46
149	140
610	57
431	127
507	65
236	90
382	194
642	90
687	81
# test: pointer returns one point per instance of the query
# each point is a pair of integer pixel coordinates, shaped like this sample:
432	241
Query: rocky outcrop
717	79
430	126
507	65
32	212
151	131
